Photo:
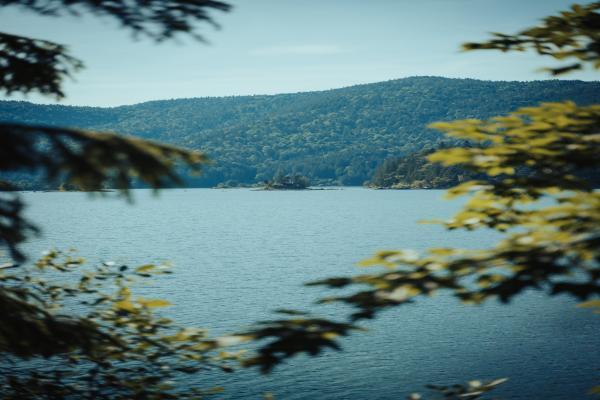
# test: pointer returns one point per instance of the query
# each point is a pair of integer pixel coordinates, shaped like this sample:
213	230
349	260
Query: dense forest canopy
338	136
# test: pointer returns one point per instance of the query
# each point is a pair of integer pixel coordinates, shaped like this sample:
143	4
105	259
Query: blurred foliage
555	247
472	390
67	330
35	65
82	158
415	171
28	65
86	160
108	344
549	219
292	337
334	137
156	19
572	34
84	335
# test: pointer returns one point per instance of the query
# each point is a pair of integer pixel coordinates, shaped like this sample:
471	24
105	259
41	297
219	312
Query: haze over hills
336	136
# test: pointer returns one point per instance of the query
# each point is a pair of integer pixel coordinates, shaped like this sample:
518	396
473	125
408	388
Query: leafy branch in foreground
90	338
156	19
549	216
290	337
554	249
556	246
472	390
572	34
88	160
35	65
28	65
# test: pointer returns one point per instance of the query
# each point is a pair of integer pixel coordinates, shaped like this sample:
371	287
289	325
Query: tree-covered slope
414	171
336	136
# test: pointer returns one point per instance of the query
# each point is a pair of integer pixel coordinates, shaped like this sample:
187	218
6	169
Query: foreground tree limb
32	65
86	160
81	333
539	195
91	338
572	34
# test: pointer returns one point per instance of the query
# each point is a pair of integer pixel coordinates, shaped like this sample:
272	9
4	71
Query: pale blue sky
280	46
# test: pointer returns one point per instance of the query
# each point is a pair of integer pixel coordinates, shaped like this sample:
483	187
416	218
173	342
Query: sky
284	46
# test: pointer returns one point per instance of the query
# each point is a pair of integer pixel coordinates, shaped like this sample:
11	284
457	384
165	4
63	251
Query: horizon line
57	103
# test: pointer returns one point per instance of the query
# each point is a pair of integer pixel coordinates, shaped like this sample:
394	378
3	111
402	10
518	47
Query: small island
287	182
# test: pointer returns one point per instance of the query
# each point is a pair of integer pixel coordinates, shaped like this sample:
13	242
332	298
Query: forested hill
336	136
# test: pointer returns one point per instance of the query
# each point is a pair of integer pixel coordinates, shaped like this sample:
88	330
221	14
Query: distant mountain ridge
336	136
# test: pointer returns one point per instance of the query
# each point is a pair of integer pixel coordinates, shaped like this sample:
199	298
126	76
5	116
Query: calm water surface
239	254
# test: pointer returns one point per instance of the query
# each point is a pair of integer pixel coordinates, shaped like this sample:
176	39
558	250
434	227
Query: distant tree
548	247
115	347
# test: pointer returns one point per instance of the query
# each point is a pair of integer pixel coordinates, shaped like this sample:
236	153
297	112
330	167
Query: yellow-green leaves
572	34
145	268
153	303
544	146
125	305
108	334
535	195
132	306
594	304
535	192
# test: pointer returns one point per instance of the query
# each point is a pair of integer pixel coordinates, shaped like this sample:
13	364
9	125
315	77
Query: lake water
239	254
